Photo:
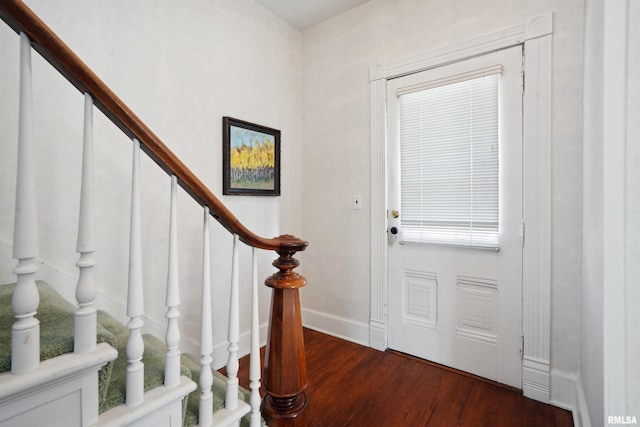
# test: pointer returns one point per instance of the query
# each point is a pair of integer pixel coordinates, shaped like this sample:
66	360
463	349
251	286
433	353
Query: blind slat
449	162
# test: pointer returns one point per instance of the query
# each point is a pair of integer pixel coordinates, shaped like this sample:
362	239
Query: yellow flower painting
252	154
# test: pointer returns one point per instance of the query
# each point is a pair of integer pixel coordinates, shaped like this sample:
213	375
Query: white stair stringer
162	406
61	392
225	417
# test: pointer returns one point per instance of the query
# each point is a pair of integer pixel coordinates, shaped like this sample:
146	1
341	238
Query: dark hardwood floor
352	385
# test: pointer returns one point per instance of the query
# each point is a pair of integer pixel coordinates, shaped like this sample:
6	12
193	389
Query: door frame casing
536	35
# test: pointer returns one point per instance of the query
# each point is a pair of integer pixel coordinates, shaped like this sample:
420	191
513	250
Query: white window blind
449	161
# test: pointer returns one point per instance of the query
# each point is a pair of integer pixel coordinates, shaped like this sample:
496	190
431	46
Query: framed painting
250	159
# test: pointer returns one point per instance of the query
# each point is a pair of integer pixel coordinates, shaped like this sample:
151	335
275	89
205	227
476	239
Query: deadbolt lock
395	214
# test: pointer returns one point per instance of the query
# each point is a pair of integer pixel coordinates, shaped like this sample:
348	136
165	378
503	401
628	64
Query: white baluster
25	333
172	338
85	318
206	333
135	302
254	358
231	398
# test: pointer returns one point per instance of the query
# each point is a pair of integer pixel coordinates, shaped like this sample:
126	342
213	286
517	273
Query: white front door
455	215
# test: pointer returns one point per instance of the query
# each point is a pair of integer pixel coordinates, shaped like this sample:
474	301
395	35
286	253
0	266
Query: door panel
461	306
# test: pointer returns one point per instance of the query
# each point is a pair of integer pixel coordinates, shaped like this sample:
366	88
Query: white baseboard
563	389
567	393
378	335
336	326
581	410
536	382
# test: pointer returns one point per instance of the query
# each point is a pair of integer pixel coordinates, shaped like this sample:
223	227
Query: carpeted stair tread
150	340
190	366
56	316
219	391
218	388
153	359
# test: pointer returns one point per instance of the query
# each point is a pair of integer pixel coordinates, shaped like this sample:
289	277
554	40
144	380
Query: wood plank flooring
352	385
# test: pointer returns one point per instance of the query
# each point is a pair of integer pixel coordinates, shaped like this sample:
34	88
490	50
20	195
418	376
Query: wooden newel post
285	366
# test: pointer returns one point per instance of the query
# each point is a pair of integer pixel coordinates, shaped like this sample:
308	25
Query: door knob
394	230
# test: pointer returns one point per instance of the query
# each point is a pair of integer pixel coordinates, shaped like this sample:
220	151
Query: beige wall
336	58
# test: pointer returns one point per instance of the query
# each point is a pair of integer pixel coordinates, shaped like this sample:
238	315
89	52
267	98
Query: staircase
72	364
56	316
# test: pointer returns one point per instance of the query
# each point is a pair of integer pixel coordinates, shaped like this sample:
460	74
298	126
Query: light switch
357	201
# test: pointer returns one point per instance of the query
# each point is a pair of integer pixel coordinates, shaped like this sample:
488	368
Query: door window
449	160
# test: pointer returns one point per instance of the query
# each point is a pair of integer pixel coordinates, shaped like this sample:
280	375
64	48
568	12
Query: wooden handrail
22	19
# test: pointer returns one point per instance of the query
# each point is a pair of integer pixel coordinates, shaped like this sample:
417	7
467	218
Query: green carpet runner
56	317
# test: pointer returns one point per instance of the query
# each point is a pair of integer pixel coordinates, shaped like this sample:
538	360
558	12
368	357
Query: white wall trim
581	410
614	190
536	255
377	334
378	120
336	326
564	389
536	381
536	26
567	393
535	34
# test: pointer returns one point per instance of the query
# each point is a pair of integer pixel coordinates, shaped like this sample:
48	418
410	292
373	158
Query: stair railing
285	377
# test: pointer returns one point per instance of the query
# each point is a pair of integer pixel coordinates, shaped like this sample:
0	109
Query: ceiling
303	14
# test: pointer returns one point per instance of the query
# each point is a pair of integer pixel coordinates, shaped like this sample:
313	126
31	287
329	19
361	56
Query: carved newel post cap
291	244
286	278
